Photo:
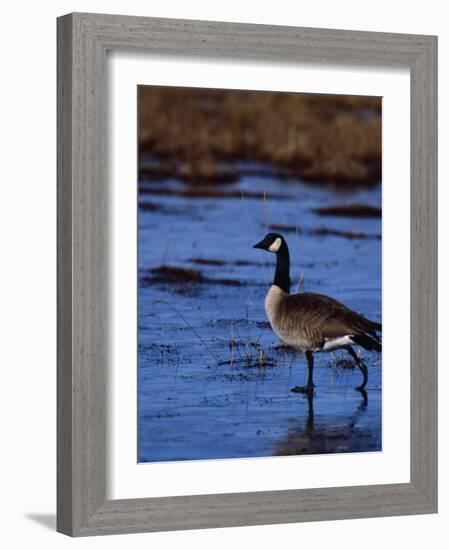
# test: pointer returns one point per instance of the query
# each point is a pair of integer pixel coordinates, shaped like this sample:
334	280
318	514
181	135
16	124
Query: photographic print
259	274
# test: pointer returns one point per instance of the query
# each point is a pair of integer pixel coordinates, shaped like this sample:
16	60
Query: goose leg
310	385
361	366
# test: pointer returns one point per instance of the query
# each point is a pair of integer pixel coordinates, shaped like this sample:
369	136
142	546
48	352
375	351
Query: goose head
272	242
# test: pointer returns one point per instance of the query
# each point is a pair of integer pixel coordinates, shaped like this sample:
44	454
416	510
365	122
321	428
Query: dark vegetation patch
150	207
331	139
322	231
159	347
219	262
194	172
161	208
248	354
285	228
263	324
239	324
155	171
351	211
172	274
177	276
248	362
159	416
208	192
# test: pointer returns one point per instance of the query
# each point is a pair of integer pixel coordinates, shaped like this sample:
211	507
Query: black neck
282	274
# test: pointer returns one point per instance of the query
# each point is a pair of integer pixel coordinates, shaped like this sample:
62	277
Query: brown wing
318	317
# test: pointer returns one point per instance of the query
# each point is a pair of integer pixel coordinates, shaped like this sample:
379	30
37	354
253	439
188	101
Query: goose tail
370	343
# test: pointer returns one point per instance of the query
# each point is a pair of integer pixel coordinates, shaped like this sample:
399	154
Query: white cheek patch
276	245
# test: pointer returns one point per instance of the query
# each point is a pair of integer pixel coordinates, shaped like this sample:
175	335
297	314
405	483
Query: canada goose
313	322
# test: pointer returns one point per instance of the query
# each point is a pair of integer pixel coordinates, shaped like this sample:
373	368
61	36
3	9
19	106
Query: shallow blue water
192	408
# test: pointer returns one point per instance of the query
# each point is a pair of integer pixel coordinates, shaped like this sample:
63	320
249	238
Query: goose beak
260	244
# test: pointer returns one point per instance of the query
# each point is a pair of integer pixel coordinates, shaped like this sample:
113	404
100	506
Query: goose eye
275	245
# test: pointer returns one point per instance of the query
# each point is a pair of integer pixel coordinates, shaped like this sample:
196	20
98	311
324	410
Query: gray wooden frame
83	40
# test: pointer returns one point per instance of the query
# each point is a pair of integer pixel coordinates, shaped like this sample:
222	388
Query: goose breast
287	321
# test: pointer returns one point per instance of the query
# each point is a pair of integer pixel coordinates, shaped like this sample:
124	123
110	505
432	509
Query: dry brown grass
351	211
197	133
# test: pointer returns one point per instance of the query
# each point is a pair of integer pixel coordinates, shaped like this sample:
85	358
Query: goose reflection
330	435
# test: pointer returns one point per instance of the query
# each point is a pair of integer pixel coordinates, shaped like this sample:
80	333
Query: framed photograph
247	282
